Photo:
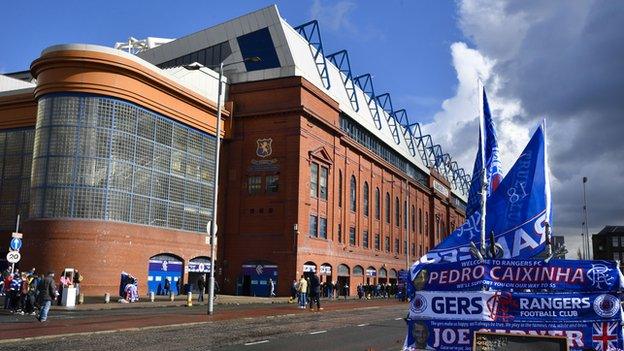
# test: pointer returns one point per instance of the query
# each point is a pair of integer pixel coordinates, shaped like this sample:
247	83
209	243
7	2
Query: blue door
163	268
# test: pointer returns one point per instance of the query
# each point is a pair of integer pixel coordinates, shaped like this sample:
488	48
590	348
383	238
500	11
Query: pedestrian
14	293
346	290
272	288
167	287
315	292
7	290
201	285
23	294
303	289
360	291
329	287
178	286
47	292
33	284
77	280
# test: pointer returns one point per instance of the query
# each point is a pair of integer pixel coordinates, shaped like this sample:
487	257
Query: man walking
47	292
272	288
201	285
303	289
315	292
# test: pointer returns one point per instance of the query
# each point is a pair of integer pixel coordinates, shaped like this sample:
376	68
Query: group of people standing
307	290
26	292
369	291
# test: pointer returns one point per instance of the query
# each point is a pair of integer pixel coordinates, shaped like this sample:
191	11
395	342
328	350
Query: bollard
171	297
189	299
151	296
81	299
106	298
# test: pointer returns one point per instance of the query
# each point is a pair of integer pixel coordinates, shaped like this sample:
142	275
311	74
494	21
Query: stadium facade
108	159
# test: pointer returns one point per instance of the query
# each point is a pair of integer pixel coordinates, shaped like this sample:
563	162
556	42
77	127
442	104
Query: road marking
398	319
318	332
256	342
362	325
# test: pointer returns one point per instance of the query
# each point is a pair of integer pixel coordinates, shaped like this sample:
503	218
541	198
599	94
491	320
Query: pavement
99	318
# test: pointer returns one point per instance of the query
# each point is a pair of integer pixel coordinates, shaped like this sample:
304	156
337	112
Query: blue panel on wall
260	44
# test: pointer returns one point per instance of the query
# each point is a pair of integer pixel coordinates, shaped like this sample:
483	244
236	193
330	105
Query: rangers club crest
264	147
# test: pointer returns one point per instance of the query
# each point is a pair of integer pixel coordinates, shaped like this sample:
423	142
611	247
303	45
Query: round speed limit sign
13	256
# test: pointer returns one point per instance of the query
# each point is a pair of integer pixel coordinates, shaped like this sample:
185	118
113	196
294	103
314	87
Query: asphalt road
359	327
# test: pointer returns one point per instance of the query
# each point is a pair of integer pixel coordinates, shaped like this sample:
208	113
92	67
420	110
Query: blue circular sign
16	244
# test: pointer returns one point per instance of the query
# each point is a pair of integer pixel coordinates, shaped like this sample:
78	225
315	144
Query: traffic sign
16	235
16	244
13	256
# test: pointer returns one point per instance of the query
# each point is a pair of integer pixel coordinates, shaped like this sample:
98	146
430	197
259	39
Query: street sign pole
17	231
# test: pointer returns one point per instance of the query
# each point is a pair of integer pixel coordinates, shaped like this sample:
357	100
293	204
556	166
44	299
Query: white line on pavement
256	342
398	319
362	325
318	332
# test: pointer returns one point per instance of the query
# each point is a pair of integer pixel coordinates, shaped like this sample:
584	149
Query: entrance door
163	273
247	285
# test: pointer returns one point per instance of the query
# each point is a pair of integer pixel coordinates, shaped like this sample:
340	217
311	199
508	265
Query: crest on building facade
264	147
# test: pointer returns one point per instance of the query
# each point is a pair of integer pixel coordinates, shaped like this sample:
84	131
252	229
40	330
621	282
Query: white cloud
455	127
555	59
335	16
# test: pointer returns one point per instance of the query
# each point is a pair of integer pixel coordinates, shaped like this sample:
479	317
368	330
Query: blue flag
493	165
517	213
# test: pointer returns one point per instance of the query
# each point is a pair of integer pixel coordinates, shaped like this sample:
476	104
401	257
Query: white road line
256	342
398	319
318	332
362	325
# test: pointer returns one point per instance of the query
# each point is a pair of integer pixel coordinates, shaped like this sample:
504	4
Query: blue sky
403	44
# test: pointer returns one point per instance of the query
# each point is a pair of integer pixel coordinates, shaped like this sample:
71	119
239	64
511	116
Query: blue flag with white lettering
517	213
493	165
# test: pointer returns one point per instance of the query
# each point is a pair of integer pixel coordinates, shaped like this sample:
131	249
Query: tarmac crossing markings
256	342
318	332
362	325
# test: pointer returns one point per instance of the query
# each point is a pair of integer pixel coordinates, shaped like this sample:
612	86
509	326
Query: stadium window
396	245
365	193
405	215
339	188
404	247
352	236
314	180
377	242
397	211
340	233
420	221
323	227
353	199
365	239
272	183
413	249
313	225
254	184
387	244
387	204
413	219
615	241
377	204
323	182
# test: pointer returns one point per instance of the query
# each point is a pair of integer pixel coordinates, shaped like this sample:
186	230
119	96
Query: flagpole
547	192
484	184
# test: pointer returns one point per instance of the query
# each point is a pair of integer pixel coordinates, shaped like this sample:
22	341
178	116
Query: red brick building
318	173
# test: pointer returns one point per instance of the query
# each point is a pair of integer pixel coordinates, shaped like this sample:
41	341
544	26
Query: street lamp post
213	223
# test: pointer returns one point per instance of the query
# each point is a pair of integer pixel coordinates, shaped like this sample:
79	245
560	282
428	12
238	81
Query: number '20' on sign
13	256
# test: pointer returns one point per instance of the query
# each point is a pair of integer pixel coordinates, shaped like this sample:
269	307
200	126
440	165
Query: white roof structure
10	86
298	52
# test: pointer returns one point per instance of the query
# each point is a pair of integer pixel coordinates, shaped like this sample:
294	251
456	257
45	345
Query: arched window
387	204
397	211
420	222
377	205
353	194
405	216
339	188
365	198
413	218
